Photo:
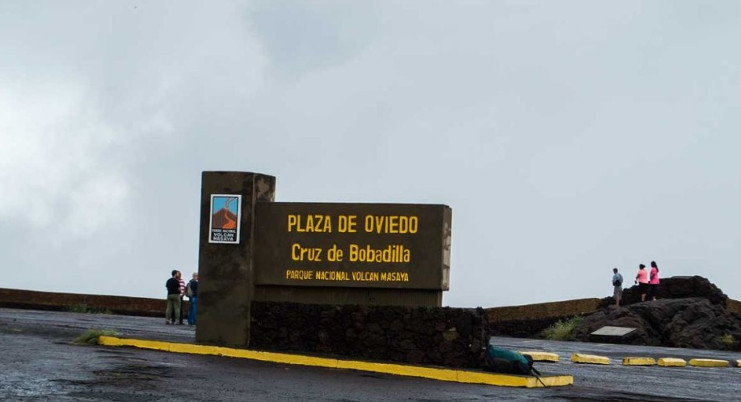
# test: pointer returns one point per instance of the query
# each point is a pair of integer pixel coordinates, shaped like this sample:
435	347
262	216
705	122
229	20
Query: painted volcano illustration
224	213
224	219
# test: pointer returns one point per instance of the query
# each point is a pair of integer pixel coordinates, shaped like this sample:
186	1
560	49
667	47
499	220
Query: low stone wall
733	306
137	306
529	320
565	308
444	336
522	328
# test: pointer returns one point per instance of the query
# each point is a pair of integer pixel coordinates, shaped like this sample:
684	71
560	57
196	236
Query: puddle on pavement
28	387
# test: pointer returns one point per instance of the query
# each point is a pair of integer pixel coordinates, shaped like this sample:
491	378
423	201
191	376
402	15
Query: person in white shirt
617	284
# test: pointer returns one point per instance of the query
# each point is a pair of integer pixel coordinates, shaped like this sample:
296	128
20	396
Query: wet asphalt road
39	363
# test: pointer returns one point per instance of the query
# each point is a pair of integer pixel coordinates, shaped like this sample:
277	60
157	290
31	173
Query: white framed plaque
226	220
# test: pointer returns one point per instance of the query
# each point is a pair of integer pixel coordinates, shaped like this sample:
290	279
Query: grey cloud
568	138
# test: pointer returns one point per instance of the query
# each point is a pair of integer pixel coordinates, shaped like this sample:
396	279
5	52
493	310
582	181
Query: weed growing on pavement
83	308
90	337
563	329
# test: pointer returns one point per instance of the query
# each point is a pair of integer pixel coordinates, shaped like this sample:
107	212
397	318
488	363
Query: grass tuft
90	337
563	330
84	308
729	342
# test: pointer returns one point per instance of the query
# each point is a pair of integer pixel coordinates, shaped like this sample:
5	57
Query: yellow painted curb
672	362
589	359
473	377
709	363
638	361
538	356
737	363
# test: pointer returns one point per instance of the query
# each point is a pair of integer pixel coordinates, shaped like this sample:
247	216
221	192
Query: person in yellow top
642	281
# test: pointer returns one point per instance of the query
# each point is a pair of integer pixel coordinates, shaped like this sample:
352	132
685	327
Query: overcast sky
568	137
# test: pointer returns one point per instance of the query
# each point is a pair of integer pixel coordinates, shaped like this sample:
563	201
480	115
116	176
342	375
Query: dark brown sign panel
352	245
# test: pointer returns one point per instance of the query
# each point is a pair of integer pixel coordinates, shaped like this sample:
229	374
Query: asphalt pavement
40	363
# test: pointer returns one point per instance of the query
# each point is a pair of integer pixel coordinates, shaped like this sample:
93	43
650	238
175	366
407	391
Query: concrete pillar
226	285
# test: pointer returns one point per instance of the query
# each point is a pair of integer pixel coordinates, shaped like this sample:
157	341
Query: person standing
653	281
193	298
617	285
173	299
642	281
181	283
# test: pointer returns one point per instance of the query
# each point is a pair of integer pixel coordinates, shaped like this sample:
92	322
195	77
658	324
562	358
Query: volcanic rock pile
690	312
677	287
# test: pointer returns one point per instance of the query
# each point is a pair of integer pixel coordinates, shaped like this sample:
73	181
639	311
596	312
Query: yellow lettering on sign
332	276
347	223
392	253
401	224
365	276
292	222
395	276
310	223
299	274
299	253
335	253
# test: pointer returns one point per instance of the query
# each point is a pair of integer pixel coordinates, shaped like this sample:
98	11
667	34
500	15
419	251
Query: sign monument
253	248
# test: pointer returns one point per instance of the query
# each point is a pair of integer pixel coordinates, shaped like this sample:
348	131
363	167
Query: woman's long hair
653	265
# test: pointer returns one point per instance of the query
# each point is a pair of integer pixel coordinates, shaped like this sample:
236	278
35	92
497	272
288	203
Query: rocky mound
690	312
676	287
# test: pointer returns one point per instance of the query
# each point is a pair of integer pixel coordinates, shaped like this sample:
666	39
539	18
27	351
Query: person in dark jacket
192	294
172	314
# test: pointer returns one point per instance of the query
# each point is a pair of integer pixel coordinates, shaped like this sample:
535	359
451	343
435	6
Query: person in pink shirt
642	281
653	281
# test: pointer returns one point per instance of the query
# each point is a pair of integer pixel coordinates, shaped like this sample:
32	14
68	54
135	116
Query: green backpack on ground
503	360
